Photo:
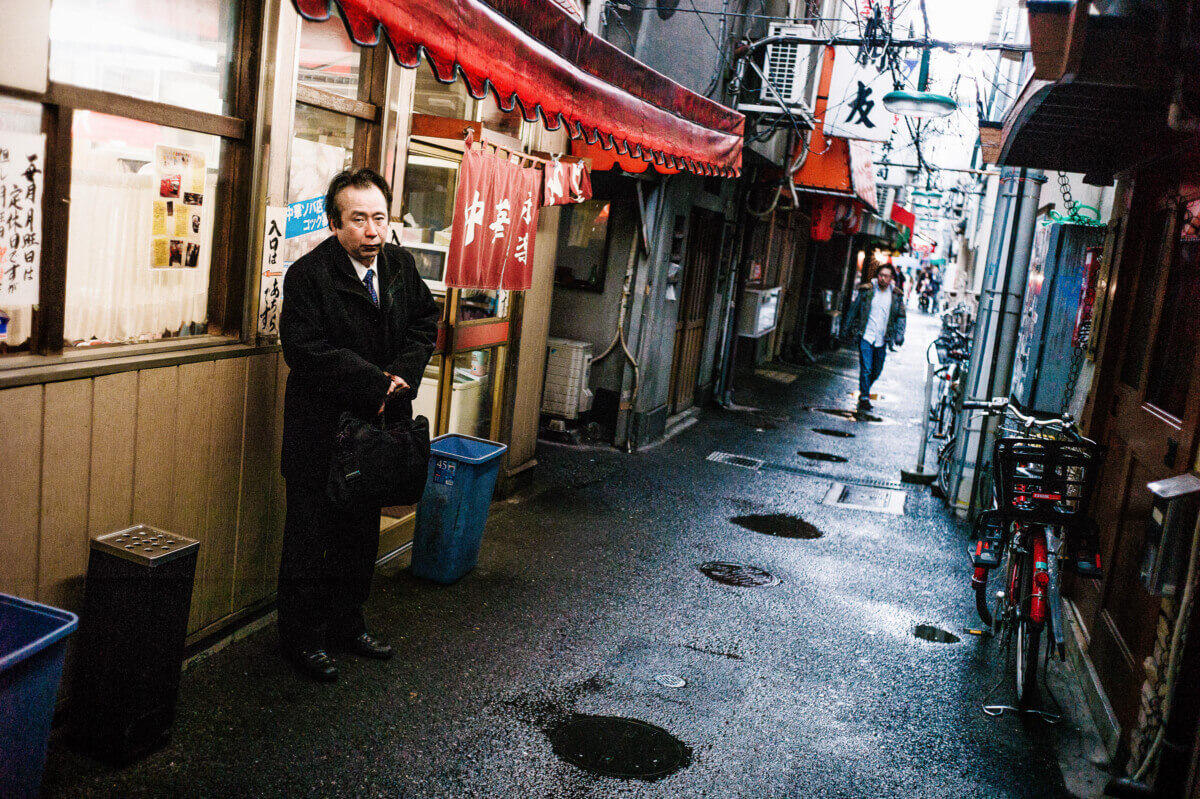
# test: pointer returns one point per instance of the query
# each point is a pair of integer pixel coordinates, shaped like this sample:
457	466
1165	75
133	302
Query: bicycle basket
1046	481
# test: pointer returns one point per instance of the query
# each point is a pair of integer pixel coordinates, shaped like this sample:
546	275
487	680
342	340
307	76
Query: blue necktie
369	282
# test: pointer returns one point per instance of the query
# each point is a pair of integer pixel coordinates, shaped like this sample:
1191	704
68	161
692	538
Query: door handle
1172	452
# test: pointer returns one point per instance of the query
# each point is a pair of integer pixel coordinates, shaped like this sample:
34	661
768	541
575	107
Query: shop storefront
168	161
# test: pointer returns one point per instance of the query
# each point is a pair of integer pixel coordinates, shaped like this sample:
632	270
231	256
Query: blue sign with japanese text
305	216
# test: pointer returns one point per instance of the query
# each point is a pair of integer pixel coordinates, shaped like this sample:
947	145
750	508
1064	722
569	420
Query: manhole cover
738	574
670	681
825	431
619	747
928	632
778	524
821	456
861	497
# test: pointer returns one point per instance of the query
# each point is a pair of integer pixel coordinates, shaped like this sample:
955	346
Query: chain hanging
1064	187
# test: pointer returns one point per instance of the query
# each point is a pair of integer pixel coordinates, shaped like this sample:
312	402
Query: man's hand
397	384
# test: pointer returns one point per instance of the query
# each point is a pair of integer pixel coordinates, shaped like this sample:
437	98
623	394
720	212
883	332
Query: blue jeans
870	361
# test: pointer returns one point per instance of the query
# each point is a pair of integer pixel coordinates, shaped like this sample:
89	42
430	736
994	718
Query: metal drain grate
873	482
729	459
739	575
861	497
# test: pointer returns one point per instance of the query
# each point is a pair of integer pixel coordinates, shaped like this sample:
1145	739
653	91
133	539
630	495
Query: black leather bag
378	465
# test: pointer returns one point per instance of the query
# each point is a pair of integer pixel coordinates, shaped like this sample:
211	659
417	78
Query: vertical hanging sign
855	109
22	158
270	298
495	217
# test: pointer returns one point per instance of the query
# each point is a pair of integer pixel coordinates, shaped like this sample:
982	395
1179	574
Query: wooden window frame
228	275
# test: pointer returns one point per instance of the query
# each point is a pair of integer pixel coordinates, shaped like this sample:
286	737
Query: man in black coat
358	326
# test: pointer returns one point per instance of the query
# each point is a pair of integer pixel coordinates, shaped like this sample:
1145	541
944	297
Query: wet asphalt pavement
589	589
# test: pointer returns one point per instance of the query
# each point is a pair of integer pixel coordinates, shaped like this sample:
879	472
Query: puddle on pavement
841	413
738	575
828	457
927	632
619	747
826	431
778	524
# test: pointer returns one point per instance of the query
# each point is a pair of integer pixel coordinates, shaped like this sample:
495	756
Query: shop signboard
855	109
270	300
495	221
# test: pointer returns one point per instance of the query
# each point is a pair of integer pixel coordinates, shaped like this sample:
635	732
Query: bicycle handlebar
998	406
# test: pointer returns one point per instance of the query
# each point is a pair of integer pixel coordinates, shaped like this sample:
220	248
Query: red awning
534	55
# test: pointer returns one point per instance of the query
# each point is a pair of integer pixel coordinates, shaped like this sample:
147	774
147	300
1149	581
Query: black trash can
137	597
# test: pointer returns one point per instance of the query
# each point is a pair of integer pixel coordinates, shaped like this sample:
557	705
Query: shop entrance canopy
534	55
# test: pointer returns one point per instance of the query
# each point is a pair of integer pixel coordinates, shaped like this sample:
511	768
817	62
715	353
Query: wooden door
1152	409
699	266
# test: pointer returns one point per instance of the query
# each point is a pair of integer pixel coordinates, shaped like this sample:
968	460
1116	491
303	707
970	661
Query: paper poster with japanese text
270	295
855	109
495	219
22	162
178	208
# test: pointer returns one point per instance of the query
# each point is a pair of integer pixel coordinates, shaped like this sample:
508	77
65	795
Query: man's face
884	277
364	222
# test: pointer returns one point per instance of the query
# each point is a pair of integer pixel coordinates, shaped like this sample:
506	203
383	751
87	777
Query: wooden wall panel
260	461
21	448
66	461
274	529
190	483
114	433
224	476
154	458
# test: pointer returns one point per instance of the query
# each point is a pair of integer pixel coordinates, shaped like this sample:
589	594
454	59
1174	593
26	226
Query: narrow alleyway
588	599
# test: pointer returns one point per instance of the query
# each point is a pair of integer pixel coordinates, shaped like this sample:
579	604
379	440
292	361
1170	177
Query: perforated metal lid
145	544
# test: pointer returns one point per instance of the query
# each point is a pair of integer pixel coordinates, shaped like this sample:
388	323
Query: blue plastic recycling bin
450	518
33	639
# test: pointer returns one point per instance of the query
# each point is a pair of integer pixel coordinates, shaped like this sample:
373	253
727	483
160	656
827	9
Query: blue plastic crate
33	639
450	518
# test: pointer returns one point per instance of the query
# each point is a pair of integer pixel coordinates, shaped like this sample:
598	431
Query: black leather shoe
313	663
365	645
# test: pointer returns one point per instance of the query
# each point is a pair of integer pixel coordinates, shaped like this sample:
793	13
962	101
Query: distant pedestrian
878	321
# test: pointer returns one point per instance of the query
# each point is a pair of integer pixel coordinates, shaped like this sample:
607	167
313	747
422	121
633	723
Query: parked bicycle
953	348
1044	477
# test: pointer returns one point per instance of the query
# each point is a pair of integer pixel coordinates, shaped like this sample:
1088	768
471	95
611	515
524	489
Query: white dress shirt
877	322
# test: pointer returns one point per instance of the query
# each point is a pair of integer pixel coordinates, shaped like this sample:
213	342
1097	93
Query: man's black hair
888	267
360	179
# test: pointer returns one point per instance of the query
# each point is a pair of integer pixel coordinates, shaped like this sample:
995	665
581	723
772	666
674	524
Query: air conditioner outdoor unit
793	72
568	371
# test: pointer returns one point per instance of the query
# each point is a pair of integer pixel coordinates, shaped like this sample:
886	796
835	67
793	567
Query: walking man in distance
877	320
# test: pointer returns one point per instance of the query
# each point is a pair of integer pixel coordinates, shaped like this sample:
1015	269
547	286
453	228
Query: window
179	53
143	204
147	174
583	245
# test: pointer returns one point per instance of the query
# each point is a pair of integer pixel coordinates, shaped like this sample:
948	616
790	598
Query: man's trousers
325	570
870	365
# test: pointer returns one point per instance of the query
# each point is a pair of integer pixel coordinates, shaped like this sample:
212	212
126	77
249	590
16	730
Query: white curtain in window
112	293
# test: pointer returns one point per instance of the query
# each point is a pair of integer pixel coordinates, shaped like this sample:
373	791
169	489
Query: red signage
567	183
495	221
903	217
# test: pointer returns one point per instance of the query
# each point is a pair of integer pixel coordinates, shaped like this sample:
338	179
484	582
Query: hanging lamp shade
920	103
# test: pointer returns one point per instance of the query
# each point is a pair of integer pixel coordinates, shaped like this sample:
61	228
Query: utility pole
996	329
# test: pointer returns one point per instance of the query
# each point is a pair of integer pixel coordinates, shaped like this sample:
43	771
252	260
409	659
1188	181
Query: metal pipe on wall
1000	304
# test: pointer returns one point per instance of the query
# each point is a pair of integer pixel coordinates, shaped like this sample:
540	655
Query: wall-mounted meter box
1169	532
760	311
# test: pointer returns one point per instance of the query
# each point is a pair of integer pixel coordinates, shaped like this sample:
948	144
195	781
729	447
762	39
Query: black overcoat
338	345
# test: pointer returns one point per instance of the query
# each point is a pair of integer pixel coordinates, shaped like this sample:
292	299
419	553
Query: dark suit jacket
338	345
